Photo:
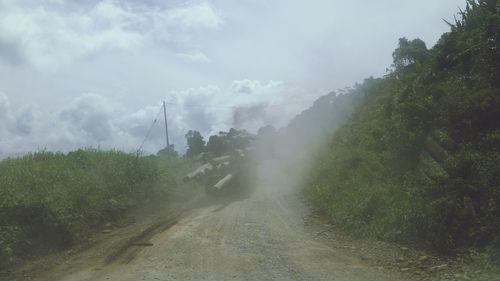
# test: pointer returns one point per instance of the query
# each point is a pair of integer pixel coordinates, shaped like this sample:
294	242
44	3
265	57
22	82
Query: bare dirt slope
262	237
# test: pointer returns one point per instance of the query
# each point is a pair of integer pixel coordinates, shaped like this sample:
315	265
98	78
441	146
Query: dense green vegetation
419	159
217	145
52	200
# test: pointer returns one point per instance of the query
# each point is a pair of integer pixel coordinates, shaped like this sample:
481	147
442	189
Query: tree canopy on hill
419	159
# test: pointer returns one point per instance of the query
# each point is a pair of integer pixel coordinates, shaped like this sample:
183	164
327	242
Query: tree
225	142
409	53
195	143
168	152
216	145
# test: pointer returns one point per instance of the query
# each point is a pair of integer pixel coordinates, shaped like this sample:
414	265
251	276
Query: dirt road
258	238
262	237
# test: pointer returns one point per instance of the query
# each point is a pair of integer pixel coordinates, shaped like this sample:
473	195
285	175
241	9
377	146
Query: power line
150	129
166	123
238	106
163	108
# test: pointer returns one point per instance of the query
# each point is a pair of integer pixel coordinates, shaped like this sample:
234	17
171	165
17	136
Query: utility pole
166	124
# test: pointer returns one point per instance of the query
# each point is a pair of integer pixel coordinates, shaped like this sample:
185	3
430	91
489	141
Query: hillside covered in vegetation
418	160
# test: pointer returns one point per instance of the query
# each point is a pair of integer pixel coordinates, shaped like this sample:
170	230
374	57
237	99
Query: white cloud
244	104
201	15
133	51
194	56
24	121
93	120
59	35
4	107
89	117
247	86
50	37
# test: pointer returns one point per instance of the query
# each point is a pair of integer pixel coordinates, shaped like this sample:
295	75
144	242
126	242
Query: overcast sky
94	73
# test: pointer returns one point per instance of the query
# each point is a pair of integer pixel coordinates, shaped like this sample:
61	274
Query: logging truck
232	172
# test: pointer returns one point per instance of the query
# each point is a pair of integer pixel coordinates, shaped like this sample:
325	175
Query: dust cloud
286	155
284	161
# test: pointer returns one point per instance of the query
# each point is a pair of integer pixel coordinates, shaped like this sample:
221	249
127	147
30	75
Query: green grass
53	200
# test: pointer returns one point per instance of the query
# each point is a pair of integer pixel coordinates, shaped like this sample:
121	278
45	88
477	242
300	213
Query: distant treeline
217	145
418	160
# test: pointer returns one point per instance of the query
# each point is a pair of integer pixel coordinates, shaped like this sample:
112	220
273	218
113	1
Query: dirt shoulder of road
411	262
110	242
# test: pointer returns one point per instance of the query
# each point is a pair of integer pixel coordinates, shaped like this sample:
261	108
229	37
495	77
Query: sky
94	73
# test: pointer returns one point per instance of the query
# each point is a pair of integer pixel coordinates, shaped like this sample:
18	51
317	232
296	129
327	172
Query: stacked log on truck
234	170
220	184
199	172
219	173
206	168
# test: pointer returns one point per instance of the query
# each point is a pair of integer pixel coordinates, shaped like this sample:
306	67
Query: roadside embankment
51	201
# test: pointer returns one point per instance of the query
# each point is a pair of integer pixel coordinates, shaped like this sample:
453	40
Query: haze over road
262	237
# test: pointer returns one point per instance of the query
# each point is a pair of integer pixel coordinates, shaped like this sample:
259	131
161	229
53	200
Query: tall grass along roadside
51	200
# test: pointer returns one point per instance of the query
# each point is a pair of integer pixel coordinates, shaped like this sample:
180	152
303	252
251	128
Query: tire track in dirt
131	247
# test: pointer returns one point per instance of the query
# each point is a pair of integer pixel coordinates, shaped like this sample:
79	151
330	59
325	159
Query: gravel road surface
261	237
